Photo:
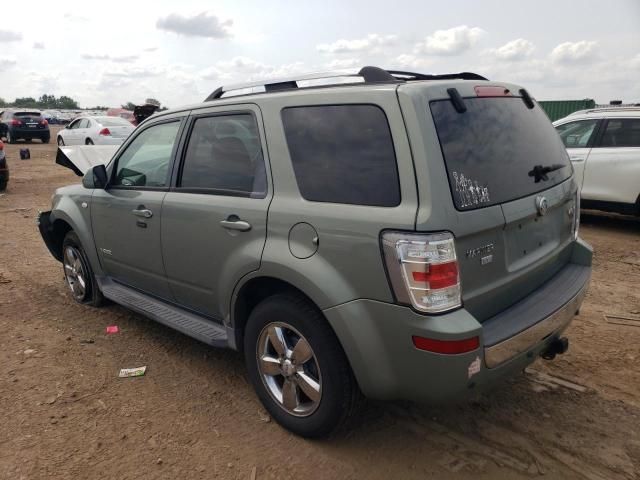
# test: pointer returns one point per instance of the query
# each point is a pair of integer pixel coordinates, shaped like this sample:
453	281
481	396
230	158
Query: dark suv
24	124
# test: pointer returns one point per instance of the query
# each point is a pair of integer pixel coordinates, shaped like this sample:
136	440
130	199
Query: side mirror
96	177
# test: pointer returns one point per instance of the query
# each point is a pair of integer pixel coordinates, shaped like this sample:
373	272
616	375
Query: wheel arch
251	293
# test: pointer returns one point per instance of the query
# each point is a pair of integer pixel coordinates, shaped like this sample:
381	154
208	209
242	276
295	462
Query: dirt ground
64	413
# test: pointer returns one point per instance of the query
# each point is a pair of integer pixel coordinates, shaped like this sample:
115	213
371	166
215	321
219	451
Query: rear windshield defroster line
490	149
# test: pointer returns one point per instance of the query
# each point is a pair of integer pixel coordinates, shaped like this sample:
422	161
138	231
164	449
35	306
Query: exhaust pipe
557	347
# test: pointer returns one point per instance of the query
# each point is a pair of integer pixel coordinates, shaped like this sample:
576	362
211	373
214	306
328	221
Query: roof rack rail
367	74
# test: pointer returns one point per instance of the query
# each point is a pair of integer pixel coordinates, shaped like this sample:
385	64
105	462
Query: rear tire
78	273
298	368
3	185
10	138
46	139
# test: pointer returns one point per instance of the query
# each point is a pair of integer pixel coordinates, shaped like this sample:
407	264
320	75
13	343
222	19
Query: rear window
26	114
342	154
112	121
496	151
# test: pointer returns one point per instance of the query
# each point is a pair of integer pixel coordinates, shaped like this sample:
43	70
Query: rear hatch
30	120
510	182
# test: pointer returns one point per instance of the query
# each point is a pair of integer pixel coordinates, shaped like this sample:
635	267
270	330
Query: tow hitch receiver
557	347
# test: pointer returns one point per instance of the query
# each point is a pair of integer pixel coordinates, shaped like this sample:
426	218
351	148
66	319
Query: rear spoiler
84	157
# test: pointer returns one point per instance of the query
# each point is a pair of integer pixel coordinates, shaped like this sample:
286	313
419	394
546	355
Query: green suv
392	234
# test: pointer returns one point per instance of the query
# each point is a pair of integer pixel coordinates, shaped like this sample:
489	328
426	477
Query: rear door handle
577	158
141	211
234	223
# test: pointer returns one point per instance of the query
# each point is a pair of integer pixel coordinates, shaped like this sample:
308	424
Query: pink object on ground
112	329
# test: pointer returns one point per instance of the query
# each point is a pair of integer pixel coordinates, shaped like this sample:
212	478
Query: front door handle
141	211
234	223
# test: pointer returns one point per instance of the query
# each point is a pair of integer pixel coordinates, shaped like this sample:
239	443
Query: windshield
113	122
498	150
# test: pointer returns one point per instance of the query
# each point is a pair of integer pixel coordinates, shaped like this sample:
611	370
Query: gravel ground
65	414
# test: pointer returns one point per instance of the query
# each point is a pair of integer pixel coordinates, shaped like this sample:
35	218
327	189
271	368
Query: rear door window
342	154
497	150
621	132
224	157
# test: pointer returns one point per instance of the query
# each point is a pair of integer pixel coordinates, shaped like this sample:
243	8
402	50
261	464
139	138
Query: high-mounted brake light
423	270
492	91
105	132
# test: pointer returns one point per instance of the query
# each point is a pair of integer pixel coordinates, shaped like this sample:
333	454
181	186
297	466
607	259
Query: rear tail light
104	132
423	270
448	347
43	122
15	122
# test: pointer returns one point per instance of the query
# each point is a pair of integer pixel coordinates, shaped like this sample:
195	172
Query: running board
186	322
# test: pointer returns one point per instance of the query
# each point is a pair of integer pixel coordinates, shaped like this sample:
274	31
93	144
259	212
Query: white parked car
604	148
95	131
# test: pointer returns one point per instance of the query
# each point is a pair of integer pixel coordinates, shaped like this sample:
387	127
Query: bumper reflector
448	347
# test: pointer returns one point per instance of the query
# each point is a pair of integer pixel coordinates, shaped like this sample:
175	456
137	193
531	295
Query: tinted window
576	134
622	132
491	150
224	154
342	154
26	114
145	161
75	124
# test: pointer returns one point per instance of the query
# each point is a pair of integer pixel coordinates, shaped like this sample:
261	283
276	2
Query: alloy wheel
289	369
74	273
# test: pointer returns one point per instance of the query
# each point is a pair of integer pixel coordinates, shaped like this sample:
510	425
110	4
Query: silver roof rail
336	77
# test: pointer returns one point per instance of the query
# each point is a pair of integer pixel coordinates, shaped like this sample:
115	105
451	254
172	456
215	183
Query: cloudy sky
108	53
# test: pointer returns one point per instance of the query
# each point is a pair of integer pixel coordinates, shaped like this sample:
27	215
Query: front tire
60	142
10	138
88	141
78	273
297	366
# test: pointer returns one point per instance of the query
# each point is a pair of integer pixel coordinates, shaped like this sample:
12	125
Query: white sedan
95	131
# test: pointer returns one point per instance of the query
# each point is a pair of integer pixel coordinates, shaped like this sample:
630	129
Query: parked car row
604	148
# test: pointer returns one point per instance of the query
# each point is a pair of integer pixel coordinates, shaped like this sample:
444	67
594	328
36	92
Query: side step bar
186	322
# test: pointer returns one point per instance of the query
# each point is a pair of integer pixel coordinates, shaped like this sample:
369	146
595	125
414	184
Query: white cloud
151	49
9	36
201	25
38	45
111	58
515	50
453	41
575	52
343	63
369	43
7	62
245	69
410	61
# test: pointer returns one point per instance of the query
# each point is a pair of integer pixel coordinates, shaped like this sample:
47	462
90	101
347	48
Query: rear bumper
30	133
377	336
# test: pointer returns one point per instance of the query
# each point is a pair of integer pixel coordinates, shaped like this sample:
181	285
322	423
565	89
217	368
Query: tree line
44	102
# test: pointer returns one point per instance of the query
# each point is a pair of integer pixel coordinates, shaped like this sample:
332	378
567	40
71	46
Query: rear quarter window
342	154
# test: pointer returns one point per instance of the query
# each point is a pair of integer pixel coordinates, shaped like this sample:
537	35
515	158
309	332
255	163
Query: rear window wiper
540	172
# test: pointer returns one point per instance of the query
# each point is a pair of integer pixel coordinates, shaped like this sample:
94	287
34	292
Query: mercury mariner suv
399	235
